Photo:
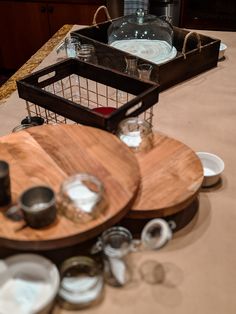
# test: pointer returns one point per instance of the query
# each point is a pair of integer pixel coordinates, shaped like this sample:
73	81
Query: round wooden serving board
49	154
171	176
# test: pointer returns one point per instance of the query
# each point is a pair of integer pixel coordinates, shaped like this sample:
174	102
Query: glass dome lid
143	35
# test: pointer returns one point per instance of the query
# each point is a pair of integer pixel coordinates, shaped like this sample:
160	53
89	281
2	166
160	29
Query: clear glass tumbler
87	53
144	71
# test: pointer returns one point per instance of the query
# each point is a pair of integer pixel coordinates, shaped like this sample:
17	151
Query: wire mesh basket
73	91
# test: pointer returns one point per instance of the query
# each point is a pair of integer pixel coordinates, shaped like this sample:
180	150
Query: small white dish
213	166
30	284
223	47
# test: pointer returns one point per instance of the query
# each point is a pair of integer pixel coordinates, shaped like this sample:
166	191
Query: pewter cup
38	205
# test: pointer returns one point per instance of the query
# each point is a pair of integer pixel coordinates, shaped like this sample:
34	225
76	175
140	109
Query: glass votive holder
144	71
87	53
82	283
82	198
136	133
72	45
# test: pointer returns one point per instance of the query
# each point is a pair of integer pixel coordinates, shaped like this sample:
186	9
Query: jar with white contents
81	283
117	243
136	133
81	198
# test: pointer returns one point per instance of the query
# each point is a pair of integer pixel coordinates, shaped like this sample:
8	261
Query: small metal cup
38	205
5	186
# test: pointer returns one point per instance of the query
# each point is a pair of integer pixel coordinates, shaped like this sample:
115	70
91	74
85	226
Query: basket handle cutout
133	109
102	7
199	44
46	76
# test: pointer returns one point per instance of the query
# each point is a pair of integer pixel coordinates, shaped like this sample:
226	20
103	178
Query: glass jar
143	35
72	45
81	198
117	243
144	71
136	133
131	66
81	284
87	53
68	48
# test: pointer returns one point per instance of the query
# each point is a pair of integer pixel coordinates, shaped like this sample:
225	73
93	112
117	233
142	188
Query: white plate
156	51
28	284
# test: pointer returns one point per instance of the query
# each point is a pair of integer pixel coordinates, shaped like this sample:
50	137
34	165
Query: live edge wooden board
171	175
50	153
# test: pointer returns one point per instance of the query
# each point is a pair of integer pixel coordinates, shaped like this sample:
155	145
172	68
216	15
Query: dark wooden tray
198	55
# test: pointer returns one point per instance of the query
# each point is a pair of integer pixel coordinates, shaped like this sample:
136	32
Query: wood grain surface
49	154
171	176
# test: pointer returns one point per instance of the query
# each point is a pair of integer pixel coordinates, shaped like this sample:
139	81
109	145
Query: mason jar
82	283
117	243
81	198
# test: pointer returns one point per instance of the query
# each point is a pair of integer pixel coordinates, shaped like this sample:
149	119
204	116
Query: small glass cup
72	45
81	283
136	133
131	66
87	53
81	198
145	71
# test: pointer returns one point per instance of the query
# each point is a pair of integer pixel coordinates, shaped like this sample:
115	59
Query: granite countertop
10	86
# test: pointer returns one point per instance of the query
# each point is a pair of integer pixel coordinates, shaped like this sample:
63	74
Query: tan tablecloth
199	265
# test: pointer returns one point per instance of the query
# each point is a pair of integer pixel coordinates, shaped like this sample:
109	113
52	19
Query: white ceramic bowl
213	166
28	284
223	47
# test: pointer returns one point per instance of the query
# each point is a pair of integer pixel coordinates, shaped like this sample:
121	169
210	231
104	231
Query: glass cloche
143	35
